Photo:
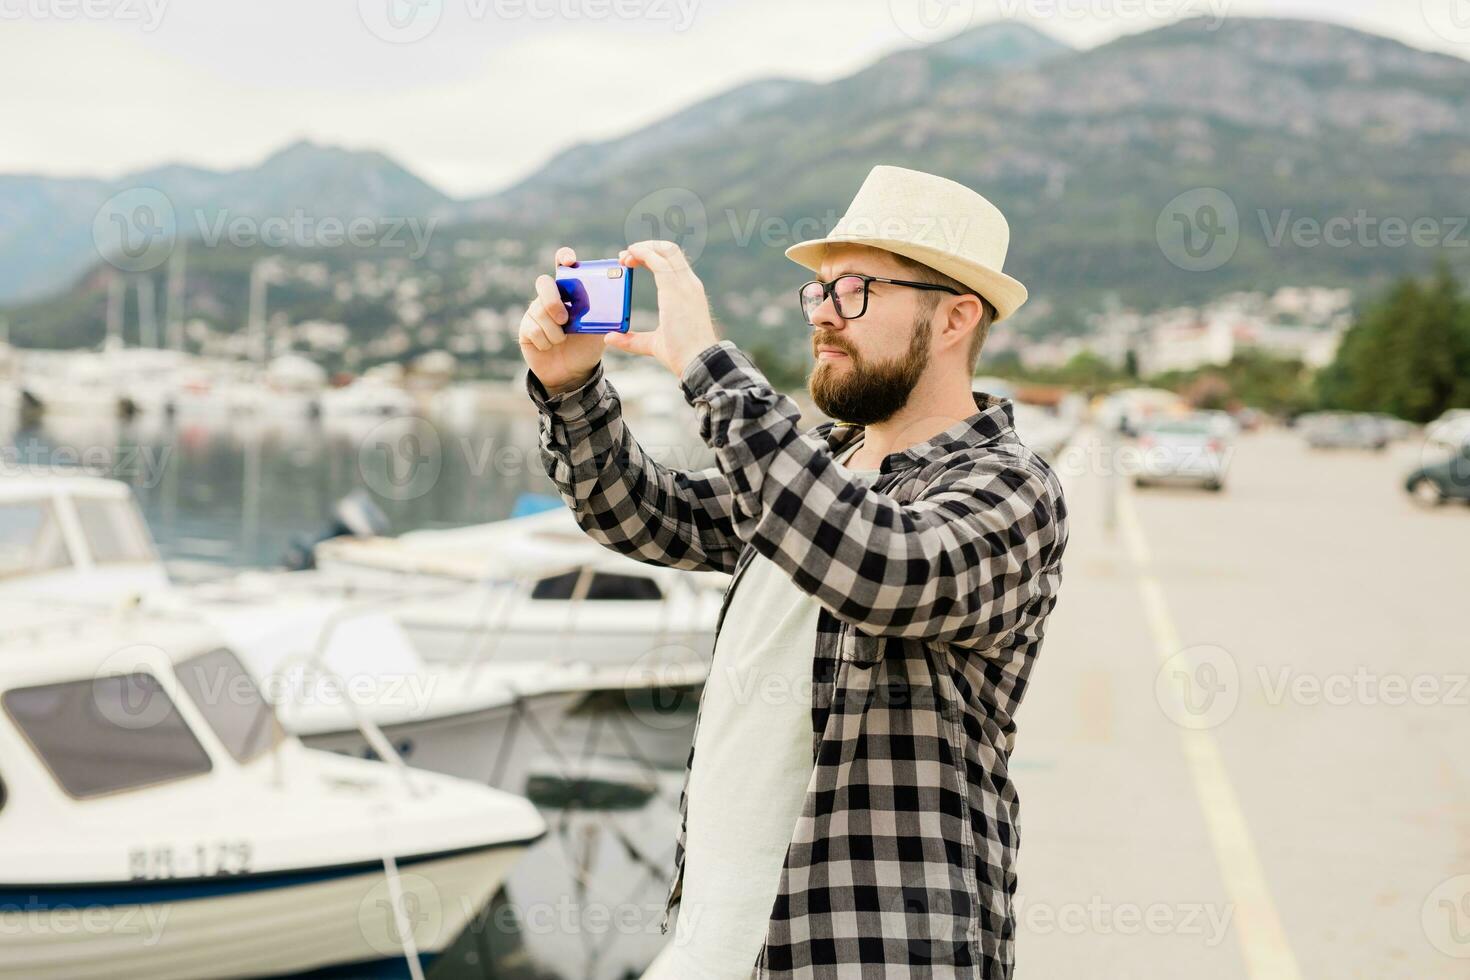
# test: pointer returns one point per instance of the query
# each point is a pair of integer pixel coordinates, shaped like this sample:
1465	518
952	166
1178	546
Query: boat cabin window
608	585
113	530
604	585
107	734
557	586
31	540
228	699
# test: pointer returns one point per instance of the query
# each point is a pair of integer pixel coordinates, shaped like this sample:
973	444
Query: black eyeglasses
850	294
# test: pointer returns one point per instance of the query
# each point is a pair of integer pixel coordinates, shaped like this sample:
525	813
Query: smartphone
598	295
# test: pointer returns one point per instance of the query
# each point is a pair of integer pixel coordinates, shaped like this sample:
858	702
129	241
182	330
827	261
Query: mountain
1084	150
46	224
587	163
719	120
999	45
1292	124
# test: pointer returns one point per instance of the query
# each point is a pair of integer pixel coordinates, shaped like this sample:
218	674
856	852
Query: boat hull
495	746
250	925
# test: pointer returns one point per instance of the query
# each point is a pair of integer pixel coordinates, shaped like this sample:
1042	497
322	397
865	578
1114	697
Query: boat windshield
107	734
603	586
115	533
229	700
31	539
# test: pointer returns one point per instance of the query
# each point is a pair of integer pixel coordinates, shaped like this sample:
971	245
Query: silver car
1188	450
1346	430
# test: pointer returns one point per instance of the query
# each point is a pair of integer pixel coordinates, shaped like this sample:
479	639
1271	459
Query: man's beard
864	393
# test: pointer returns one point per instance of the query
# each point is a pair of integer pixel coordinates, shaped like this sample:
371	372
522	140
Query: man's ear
964	317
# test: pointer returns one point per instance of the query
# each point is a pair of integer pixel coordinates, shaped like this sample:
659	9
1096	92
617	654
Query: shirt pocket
859	648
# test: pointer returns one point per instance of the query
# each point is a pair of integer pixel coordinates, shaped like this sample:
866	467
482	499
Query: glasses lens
849	292
811	298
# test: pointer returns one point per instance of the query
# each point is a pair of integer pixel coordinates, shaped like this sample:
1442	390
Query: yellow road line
1262	940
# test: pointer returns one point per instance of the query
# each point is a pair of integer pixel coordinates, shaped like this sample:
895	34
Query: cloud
488	94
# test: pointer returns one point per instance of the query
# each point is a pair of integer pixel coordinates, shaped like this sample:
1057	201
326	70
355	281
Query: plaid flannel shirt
934	583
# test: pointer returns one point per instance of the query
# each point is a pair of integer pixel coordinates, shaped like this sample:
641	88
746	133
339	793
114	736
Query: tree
1408	355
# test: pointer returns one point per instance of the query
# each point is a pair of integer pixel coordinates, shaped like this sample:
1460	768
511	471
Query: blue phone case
598	295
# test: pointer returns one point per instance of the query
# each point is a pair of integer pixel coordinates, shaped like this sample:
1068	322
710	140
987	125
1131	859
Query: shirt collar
993	421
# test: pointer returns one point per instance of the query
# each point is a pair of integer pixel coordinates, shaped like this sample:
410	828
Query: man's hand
560	360
685	326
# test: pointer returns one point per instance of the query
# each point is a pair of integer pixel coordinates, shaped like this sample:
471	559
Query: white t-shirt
752	763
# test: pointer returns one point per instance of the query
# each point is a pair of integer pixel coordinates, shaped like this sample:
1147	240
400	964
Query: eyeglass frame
828	292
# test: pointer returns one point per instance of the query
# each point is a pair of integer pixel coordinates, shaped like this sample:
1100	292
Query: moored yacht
157	822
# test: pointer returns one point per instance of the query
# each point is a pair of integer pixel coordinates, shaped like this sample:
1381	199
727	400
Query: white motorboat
536	588
324	653
71	383
329	660
155	821
74	535
366	397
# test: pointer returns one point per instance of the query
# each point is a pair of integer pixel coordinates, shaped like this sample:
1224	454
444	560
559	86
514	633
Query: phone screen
598	295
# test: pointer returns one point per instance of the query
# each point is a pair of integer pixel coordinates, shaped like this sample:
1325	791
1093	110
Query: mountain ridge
1082	149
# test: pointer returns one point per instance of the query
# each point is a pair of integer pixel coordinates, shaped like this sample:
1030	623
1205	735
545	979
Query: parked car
1345	430
1448	479
1249	419
1451	430
1394	428
1222	424
1182	450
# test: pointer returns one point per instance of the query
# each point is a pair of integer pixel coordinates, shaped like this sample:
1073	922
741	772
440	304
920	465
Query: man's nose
826	314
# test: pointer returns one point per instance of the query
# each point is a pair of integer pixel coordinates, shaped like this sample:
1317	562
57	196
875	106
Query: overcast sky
472	94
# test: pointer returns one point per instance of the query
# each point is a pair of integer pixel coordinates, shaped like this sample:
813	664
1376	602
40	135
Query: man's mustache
824	342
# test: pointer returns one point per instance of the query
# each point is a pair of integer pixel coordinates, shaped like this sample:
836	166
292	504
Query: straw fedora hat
932	220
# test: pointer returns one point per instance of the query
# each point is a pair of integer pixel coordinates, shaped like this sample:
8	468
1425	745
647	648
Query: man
847	810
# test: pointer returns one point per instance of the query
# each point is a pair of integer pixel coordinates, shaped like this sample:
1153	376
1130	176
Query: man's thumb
631	342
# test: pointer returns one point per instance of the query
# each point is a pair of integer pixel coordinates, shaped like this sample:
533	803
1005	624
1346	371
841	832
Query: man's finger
530	333
553	308
565	256
633	343
658	255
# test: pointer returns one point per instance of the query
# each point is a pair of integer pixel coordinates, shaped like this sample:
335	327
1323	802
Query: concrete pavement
1244	749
